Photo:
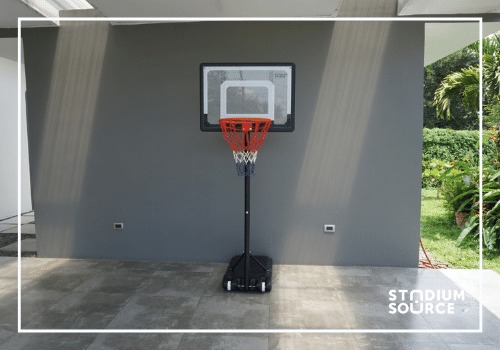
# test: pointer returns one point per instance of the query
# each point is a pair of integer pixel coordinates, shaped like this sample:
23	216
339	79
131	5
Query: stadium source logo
424	301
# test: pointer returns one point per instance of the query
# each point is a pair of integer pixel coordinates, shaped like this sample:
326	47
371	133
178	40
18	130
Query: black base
261	270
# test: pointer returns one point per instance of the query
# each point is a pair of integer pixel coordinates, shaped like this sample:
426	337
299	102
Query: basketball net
245	136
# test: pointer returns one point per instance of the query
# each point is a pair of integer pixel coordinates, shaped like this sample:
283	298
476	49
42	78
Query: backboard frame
288	126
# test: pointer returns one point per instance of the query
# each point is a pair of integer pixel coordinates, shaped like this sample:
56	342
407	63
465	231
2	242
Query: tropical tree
434	73
463	86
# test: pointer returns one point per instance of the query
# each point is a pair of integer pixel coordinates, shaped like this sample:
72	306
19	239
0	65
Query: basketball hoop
245	136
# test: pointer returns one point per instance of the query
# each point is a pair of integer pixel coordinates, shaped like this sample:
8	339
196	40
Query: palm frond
464	86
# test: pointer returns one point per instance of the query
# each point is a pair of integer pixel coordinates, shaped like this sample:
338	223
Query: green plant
491	146
439	235
433	75
491	212
444	146
460	187
432	173
462	87
451	145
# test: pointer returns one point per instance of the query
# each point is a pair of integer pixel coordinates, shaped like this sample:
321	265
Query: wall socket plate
118	226
329	228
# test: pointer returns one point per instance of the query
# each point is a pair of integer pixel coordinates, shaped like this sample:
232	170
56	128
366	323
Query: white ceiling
441	39
217	8
447	7
8	49
10	10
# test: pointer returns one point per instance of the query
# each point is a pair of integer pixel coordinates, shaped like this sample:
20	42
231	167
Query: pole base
259	274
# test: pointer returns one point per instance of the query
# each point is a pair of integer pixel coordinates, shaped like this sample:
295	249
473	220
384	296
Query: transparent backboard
263	90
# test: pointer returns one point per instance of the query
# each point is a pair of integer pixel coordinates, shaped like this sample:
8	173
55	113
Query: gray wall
114	136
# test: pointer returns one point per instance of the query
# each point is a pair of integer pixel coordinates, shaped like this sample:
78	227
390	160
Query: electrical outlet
329	228
118	226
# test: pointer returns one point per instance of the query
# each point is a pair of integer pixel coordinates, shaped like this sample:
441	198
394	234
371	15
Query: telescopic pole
247	223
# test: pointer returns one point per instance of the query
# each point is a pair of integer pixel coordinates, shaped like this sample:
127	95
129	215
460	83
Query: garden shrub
460	189
442	147
451	145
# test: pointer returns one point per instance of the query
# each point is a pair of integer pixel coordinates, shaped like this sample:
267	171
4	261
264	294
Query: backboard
247	90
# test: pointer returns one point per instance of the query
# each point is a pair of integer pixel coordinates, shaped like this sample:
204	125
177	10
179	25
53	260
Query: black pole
247	224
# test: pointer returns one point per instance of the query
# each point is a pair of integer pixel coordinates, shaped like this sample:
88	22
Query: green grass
439	234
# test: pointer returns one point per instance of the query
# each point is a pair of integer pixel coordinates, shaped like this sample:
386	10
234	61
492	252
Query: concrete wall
114	136
9	135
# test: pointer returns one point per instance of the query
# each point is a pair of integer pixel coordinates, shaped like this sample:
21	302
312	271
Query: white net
245	162
245	156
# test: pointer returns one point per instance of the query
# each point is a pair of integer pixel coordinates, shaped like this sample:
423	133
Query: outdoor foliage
432	173
442	147
460	187
462	87
439	235
433	75
469	202
450	158
449	145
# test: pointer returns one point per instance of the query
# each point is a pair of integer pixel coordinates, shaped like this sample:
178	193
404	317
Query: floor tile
136	341
77	266
489	336
8	267
114	282
80	311
463	317
128	265
34	303
155	312
296	294
34	268
307	314
376	316
13	220
25	228
48	341
373	294
28	228
4	227
4	335
391	341
57	280
472	347
299	279
189	267
67	293
312	342
27	245
223	342
8	284
232	310
8	307
171	283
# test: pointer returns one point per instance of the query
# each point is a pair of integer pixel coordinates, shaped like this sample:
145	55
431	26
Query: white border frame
207	69
256	19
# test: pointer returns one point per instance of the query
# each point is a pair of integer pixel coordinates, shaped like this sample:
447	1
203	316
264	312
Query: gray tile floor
8	235
98	294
